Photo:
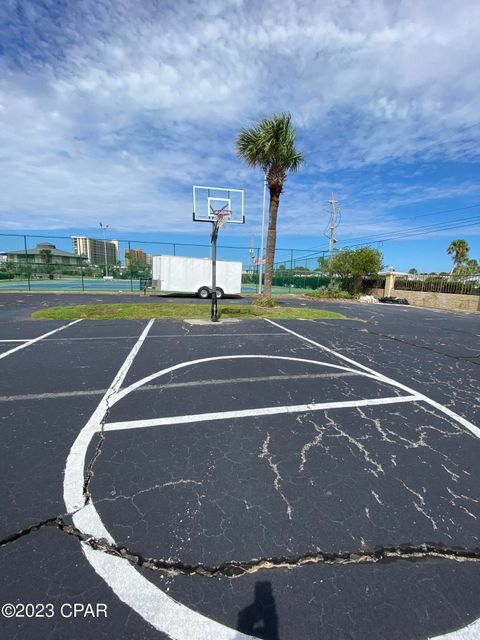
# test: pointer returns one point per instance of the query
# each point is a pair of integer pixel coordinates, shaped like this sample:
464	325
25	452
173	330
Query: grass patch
107	311
261	301
336	294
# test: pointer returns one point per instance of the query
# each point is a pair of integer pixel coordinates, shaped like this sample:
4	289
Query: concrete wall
433	300
440	300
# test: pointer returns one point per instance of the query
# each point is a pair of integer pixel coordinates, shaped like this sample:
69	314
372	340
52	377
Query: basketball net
222	216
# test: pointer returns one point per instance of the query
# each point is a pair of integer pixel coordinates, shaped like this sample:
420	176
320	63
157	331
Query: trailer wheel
220	293
203	292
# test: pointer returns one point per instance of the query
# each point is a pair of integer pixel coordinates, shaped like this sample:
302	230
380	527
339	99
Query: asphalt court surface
208	450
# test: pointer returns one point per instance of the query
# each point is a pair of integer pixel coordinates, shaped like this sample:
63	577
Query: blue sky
111	110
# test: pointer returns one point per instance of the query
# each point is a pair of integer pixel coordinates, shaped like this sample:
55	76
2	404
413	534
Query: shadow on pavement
260	618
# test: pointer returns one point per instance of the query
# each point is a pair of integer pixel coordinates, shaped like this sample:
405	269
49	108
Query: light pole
260	270
104	228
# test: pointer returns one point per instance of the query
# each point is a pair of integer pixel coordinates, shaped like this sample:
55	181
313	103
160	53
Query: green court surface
98	284
70	284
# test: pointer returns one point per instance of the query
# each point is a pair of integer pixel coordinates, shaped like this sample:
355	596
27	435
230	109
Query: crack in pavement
267	455
426	347
238	568
89	473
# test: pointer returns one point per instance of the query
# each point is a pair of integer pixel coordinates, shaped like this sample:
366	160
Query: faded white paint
155	606
33	340
252	413
379	376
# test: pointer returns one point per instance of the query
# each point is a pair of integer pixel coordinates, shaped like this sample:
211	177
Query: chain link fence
30	262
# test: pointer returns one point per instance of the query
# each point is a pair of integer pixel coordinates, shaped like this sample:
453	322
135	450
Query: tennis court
70	284
98	284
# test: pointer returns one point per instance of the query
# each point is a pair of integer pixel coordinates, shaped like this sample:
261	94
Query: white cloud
115	109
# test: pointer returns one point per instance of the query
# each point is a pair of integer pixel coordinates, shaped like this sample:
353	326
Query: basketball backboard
207	200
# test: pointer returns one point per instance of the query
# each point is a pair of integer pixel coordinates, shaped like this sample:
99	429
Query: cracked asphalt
295	479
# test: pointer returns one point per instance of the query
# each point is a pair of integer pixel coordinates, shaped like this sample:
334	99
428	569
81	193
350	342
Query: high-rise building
96	250
136	255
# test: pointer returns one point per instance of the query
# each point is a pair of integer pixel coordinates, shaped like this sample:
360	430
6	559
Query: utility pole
332	226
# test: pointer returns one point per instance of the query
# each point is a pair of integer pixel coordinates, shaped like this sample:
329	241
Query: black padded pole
214	312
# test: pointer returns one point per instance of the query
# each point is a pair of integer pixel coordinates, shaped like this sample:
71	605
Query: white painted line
182	365
471	632
179	385
156	607
167	335
379	376
74	468
45	335
261	411
159	609
24	340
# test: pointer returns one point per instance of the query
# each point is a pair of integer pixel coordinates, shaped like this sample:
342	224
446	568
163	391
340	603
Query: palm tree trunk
275	192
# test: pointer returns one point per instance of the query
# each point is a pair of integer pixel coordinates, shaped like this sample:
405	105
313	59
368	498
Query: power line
438	213
423	215
423	230
420	230
435	225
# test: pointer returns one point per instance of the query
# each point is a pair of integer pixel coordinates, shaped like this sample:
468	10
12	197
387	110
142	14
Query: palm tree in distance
459	249
270	144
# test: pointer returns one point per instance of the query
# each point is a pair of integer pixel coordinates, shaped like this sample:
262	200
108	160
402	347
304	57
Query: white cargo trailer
194	275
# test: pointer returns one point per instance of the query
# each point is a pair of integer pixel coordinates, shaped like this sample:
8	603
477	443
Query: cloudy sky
112	109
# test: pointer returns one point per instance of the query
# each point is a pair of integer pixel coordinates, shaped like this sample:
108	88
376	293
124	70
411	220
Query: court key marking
150	602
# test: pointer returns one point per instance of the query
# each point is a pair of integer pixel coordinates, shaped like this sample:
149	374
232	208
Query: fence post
174	248
81	276
291	272
389	284
130	265
26	261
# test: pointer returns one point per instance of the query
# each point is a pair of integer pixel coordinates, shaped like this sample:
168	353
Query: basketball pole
214	312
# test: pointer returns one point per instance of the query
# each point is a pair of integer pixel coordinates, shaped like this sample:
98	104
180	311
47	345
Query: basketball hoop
220	217
218	206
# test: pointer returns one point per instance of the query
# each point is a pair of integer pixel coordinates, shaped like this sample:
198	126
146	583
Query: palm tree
270	144
459	249
46	258
46	255
473	267
468	268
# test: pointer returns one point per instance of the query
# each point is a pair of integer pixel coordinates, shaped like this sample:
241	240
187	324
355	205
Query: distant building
44	253
136	255
94	250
